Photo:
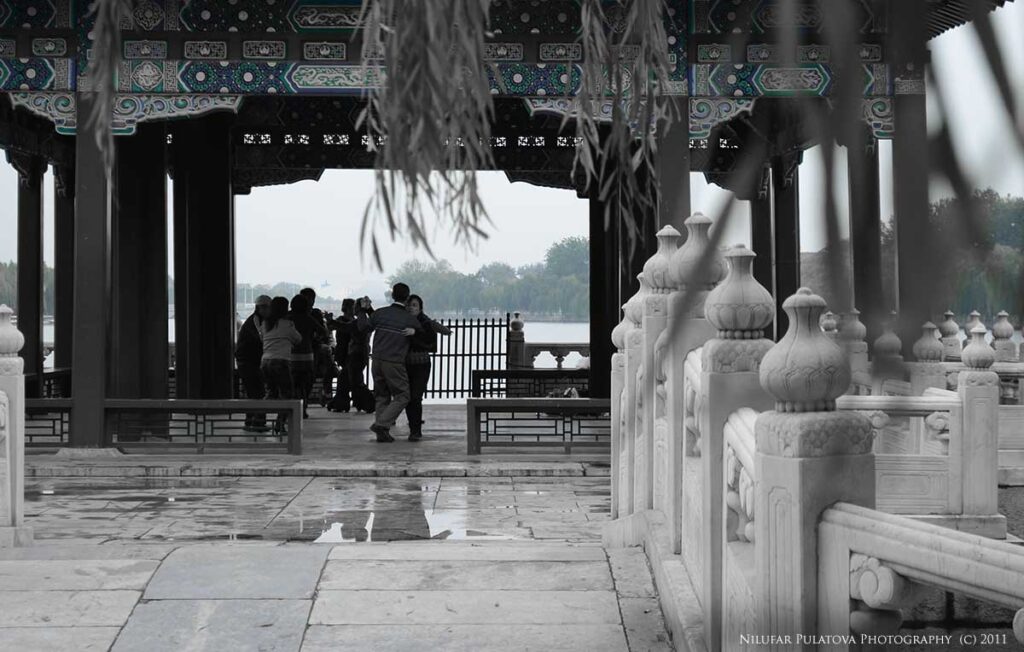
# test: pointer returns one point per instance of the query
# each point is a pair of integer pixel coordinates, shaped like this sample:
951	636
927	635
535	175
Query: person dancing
417	363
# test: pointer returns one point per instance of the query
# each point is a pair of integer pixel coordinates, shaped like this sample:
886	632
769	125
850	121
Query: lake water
559	332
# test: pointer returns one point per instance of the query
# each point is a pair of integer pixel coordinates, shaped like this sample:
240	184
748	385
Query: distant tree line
558	286
981	269
9	286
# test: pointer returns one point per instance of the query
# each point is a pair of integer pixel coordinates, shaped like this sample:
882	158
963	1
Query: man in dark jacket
248	353
392	327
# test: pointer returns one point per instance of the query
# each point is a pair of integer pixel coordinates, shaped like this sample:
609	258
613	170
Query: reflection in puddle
407	526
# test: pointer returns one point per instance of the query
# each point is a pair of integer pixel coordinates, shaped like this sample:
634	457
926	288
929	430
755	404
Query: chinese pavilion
229	95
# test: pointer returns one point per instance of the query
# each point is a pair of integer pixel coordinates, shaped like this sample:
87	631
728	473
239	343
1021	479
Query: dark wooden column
604	297
866	233
29	307
204	258
139	256
910	167
673	164
761	232
64	265
92	287
786	191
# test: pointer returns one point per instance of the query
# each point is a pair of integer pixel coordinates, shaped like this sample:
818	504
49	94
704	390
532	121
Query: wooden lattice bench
537	422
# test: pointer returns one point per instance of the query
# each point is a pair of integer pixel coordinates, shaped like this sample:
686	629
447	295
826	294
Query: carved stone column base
16	537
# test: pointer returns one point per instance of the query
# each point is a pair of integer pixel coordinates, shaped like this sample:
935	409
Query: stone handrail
558	350
877	558
13	531
693	402
740	475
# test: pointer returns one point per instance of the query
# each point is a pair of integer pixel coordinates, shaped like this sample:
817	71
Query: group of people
284	347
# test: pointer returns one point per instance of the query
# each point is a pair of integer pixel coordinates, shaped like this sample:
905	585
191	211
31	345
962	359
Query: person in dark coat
303	357
248	355
356	361
392	327
343	325
417	363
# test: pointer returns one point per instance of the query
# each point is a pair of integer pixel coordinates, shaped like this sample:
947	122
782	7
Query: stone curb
364	470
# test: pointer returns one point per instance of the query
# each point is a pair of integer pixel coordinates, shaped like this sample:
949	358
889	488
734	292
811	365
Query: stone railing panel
13	531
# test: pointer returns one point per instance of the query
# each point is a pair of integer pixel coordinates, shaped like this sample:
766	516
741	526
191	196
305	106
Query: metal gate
474	344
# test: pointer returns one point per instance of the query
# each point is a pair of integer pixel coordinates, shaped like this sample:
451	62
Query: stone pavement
377	596
324	563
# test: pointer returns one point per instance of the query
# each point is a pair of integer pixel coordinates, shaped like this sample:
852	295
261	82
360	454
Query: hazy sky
308	232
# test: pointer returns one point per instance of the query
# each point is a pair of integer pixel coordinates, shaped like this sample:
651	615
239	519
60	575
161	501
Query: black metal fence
475	344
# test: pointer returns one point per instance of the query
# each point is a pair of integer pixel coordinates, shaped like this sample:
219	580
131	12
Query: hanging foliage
428	117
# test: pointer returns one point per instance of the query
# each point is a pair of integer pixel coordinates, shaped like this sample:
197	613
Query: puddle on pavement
374	513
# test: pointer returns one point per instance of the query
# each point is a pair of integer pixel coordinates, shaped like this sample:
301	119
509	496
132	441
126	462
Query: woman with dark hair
279	336
417	363
303	353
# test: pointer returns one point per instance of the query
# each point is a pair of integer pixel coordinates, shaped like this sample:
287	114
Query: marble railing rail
878	560
13	531
558	350
740	476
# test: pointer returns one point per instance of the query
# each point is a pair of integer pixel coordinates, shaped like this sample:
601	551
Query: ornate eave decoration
129	110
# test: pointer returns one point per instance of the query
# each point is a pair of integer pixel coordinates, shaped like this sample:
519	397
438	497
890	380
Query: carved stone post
12	435
886	361
978	387
689	330
516	351
927	371
950	331
740	309
633	338
644	352
973	319
617	408
1002	331
653	479
808	457
852	334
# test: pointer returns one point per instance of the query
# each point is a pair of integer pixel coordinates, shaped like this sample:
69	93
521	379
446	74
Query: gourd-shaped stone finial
517	323
619	332
928	348
658	268
950	331
806	370
888	344
852	329
973	319
977	354
1002	331
11	339
685	261
949	327
740	307
634	308
829	325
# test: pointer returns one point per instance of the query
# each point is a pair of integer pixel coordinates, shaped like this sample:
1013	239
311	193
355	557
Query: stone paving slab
466	638
224	572
66	608
85	551
465	607
631	573
459	551
76	575
57	639
215	626
419	575
645	627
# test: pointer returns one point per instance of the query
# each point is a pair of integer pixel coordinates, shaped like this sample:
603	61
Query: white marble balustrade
13	531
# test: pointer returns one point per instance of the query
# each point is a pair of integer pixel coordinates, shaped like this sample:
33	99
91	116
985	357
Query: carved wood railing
879	561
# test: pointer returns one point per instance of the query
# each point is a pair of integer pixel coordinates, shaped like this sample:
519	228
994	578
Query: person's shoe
383	435
415	436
